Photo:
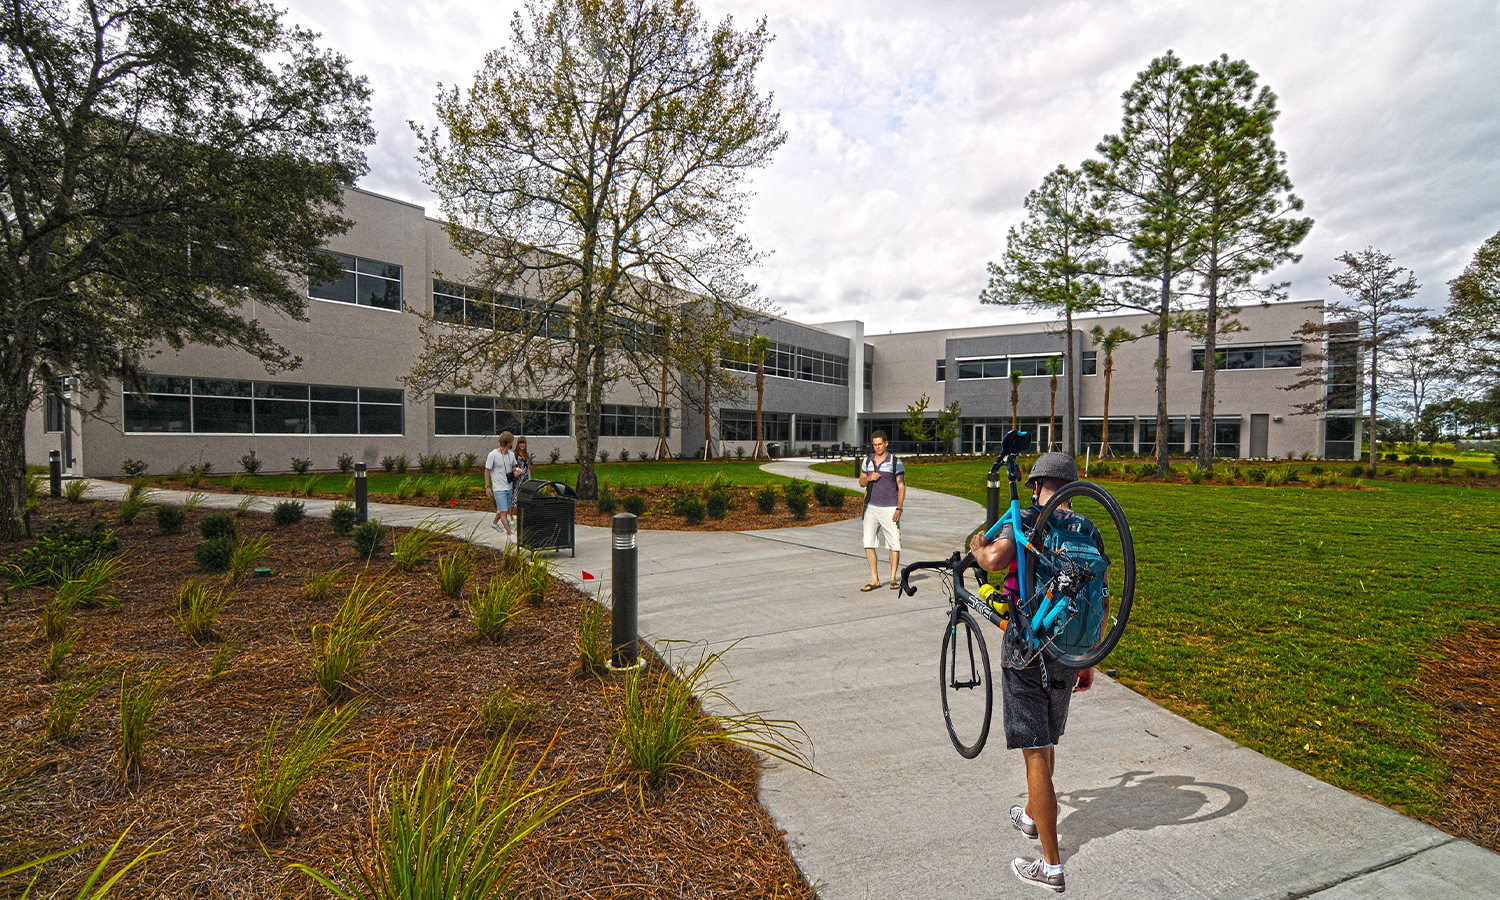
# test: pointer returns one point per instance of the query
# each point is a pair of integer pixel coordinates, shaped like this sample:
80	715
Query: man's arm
992	556
489	480
865	477
900	495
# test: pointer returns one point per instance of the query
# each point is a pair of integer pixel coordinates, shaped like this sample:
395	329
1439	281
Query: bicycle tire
1121	603
959	660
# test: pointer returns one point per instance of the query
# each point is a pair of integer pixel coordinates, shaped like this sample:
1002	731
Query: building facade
825	384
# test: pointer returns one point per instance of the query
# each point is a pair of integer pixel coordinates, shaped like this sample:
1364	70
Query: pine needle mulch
1462	686
700	834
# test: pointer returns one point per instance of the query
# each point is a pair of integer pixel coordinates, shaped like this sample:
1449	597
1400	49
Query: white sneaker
495	525
1034	871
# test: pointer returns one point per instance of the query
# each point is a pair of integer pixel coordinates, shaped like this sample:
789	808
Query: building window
817	429
1002	366
1342	390
789	361
942	370
54	418
739	425
1258	356
455	414
1121	434
632	421
220	406
1090	362
1226	437
366	282
461	304
1338	438
1176	435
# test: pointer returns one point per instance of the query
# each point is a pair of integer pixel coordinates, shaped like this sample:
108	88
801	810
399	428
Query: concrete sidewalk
1152	805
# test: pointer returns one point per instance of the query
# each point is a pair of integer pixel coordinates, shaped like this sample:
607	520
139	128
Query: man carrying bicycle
1035	691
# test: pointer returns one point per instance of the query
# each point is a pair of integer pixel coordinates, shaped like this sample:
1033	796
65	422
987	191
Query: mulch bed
698	834
743	515
1462	686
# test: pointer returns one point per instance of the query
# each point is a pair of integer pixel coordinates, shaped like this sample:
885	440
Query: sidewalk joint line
1368	871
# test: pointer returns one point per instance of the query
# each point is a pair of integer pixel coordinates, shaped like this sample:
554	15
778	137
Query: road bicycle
1052	592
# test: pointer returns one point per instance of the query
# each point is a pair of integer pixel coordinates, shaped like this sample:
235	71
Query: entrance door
1260	433
976	438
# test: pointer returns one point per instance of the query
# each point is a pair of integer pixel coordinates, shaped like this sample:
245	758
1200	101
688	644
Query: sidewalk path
1152	805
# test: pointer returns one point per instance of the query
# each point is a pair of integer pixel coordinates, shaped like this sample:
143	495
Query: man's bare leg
1041	799
870	558
895	565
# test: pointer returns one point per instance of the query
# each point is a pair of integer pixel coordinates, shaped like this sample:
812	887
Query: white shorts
882	519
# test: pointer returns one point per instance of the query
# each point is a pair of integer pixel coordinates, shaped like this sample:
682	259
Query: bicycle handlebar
958	564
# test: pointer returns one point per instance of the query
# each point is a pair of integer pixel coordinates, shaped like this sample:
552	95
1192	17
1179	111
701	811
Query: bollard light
361	494
54	463
624	640
992	501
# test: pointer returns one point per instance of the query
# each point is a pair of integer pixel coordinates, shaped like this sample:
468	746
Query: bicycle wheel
1063	613
968	692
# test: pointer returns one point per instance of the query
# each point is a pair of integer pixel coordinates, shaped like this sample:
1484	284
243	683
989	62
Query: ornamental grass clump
313	749
72	696
320	587
414	547
246	554
75	491
57	654
452	488
310	486
589	645
88	589
218	664
660	723
443	833
336	653
453	571
198	607
504	711
54	619
140	697
495	605
136	501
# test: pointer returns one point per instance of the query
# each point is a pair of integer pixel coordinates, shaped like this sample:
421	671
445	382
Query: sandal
895	585
872	586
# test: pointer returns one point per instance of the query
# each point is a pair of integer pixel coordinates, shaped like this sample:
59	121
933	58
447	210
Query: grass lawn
1296	621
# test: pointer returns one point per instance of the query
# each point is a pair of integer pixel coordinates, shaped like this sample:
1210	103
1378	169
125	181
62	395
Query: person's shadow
1142	801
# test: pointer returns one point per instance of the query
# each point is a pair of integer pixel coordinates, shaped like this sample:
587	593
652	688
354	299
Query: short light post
361	494
992	501
625	569
54	463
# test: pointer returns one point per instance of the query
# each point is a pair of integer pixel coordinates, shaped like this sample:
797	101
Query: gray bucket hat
1054	465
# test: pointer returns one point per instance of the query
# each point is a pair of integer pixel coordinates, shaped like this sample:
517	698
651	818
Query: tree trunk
708	414
662	450
760	403
1109	373
1374	399
1052	414
1163	464
1206	436
15	400
1071	426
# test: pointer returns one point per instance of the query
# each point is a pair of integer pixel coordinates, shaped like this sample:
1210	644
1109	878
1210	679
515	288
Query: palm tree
1015	396
1054	365
760	345
1108	341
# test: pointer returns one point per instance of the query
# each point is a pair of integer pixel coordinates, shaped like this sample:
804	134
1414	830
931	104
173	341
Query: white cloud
915	130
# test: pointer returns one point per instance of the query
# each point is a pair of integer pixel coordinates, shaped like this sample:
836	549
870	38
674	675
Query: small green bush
250	463
343	517
691	509
218	525
63	551
634	504
717	506
604	456
1256	473
607	503
797	503
388	463
556	454
301	464
215	554
1357	472
765	499
288	512
133	468
836	499
401	464
820	493
170	519
369	539
346	463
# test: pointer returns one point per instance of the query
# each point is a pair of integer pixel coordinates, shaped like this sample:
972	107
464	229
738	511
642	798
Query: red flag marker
587	577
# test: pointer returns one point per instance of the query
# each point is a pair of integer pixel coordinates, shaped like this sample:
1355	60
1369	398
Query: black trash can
545	515
773	449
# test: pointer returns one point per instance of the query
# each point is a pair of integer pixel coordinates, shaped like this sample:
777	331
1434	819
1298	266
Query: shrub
140	696
312	750
369	539
470	460
797	503
1316	470
413	547
319	587
642	455
634	504
691	509
494	606
820	492
716	505
218	525
556	455
739	451
765	499
343	517
63	550
607	503
250	463
170	519
133	468
300	464
453	570
604	456
288	512
388	463
836	498
1256	473
428	464
660	721
74	490
336	653
1356	471
215	554
796	488
503	711
198	606
345	463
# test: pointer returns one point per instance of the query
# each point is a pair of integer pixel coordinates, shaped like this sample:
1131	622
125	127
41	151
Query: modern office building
825	384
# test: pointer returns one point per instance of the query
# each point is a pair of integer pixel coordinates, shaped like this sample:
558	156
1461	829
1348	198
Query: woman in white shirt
499	468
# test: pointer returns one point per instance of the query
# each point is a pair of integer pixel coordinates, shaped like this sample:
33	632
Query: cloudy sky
915	129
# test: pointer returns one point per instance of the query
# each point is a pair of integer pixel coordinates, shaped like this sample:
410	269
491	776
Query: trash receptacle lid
532	490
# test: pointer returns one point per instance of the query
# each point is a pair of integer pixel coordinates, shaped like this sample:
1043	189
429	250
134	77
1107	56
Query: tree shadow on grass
1141	801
